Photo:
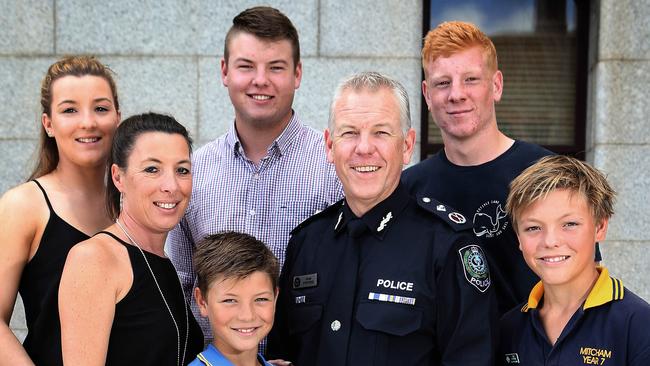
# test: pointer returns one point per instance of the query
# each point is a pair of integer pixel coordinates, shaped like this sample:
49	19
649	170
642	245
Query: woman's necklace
187	326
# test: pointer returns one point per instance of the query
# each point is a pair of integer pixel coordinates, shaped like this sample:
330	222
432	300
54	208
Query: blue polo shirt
611	328
212	357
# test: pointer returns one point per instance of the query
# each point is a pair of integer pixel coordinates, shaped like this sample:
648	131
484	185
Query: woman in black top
120	300
60	205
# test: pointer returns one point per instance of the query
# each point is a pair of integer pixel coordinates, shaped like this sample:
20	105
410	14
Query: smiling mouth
166	205
459	112
260	96
245	331
556	259
366	168
87	140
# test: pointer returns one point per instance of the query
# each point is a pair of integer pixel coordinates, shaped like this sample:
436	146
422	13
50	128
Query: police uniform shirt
611	328
480	193
406	284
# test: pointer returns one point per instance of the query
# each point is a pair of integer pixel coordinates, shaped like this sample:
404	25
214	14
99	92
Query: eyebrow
243	59
155	160
70	101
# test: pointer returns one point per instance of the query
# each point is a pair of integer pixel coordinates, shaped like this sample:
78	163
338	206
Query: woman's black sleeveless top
39	287
143	332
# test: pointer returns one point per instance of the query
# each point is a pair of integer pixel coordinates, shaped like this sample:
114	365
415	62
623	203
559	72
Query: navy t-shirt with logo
479	192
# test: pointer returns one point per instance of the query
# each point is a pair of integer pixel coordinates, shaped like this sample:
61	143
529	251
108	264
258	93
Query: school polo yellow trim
605	289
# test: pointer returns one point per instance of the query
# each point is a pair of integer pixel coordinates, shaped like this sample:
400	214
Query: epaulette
327	211
445	212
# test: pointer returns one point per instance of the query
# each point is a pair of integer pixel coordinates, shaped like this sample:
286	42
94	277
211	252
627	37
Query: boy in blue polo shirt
577	314
236	290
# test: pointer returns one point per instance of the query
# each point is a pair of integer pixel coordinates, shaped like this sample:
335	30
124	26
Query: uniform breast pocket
302	318
394	319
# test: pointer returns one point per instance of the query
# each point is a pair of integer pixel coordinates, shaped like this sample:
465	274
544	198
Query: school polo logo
475	267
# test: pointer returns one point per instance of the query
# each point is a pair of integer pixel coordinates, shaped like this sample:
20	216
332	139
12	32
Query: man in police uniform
381	278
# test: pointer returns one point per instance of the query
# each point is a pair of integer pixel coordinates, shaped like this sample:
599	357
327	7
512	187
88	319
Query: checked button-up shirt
267	201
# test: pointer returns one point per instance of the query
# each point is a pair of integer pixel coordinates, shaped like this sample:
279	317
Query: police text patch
475	267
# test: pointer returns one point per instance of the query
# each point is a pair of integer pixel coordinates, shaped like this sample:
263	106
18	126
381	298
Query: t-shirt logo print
490	219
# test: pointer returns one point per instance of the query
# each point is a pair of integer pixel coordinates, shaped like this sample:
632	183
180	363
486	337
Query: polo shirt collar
606	289
212	356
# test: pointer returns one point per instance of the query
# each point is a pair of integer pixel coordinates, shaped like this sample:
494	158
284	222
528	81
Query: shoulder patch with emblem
475	267
445	212
327	211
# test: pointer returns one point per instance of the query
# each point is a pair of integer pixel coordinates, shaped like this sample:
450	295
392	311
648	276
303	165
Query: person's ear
601	230
201	302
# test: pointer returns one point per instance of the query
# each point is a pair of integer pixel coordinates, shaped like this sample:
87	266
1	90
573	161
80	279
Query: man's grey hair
373	81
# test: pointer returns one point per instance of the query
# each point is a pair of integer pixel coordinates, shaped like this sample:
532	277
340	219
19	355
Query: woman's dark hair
127	132
48	154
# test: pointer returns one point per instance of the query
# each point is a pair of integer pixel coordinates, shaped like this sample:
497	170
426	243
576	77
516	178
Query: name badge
305	281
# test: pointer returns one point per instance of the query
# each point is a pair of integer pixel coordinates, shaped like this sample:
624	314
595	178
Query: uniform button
256	175
336	325
251	212
426	199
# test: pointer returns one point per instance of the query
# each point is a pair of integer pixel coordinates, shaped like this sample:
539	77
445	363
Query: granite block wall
618	141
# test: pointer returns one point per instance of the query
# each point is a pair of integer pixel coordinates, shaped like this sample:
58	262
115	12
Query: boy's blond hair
449	38
560	172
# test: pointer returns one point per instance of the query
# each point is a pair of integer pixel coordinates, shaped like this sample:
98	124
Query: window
542	50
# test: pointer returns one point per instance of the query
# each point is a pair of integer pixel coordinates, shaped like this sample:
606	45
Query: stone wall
618	136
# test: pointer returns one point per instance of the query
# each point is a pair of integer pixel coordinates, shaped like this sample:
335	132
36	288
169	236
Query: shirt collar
378	219
281	143
606	289
212	355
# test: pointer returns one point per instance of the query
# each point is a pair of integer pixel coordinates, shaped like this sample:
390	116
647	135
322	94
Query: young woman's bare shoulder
23	214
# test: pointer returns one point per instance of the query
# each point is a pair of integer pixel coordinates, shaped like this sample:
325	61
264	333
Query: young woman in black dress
61	204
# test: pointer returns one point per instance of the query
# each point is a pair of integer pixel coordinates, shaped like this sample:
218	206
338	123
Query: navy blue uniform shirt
610	329
405	284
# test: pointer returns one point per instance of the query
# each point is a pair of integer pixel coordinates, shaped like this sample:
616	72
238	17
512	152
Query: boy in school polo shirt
577	314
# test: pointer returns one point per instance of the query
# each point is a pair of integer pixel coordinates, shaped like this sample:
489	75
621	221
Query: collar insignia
384	221
339	220
441	208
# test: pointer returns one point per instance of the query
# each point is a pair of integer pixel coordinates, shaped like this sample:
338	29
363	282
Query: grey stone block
18	157
628	262
215	18
384	28
20	95
26	27
626	167
159	84
620	103
624	30
125	27
216	113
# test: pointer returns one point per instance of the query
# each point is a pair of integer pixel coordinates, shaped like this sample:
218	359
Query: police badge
475	267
